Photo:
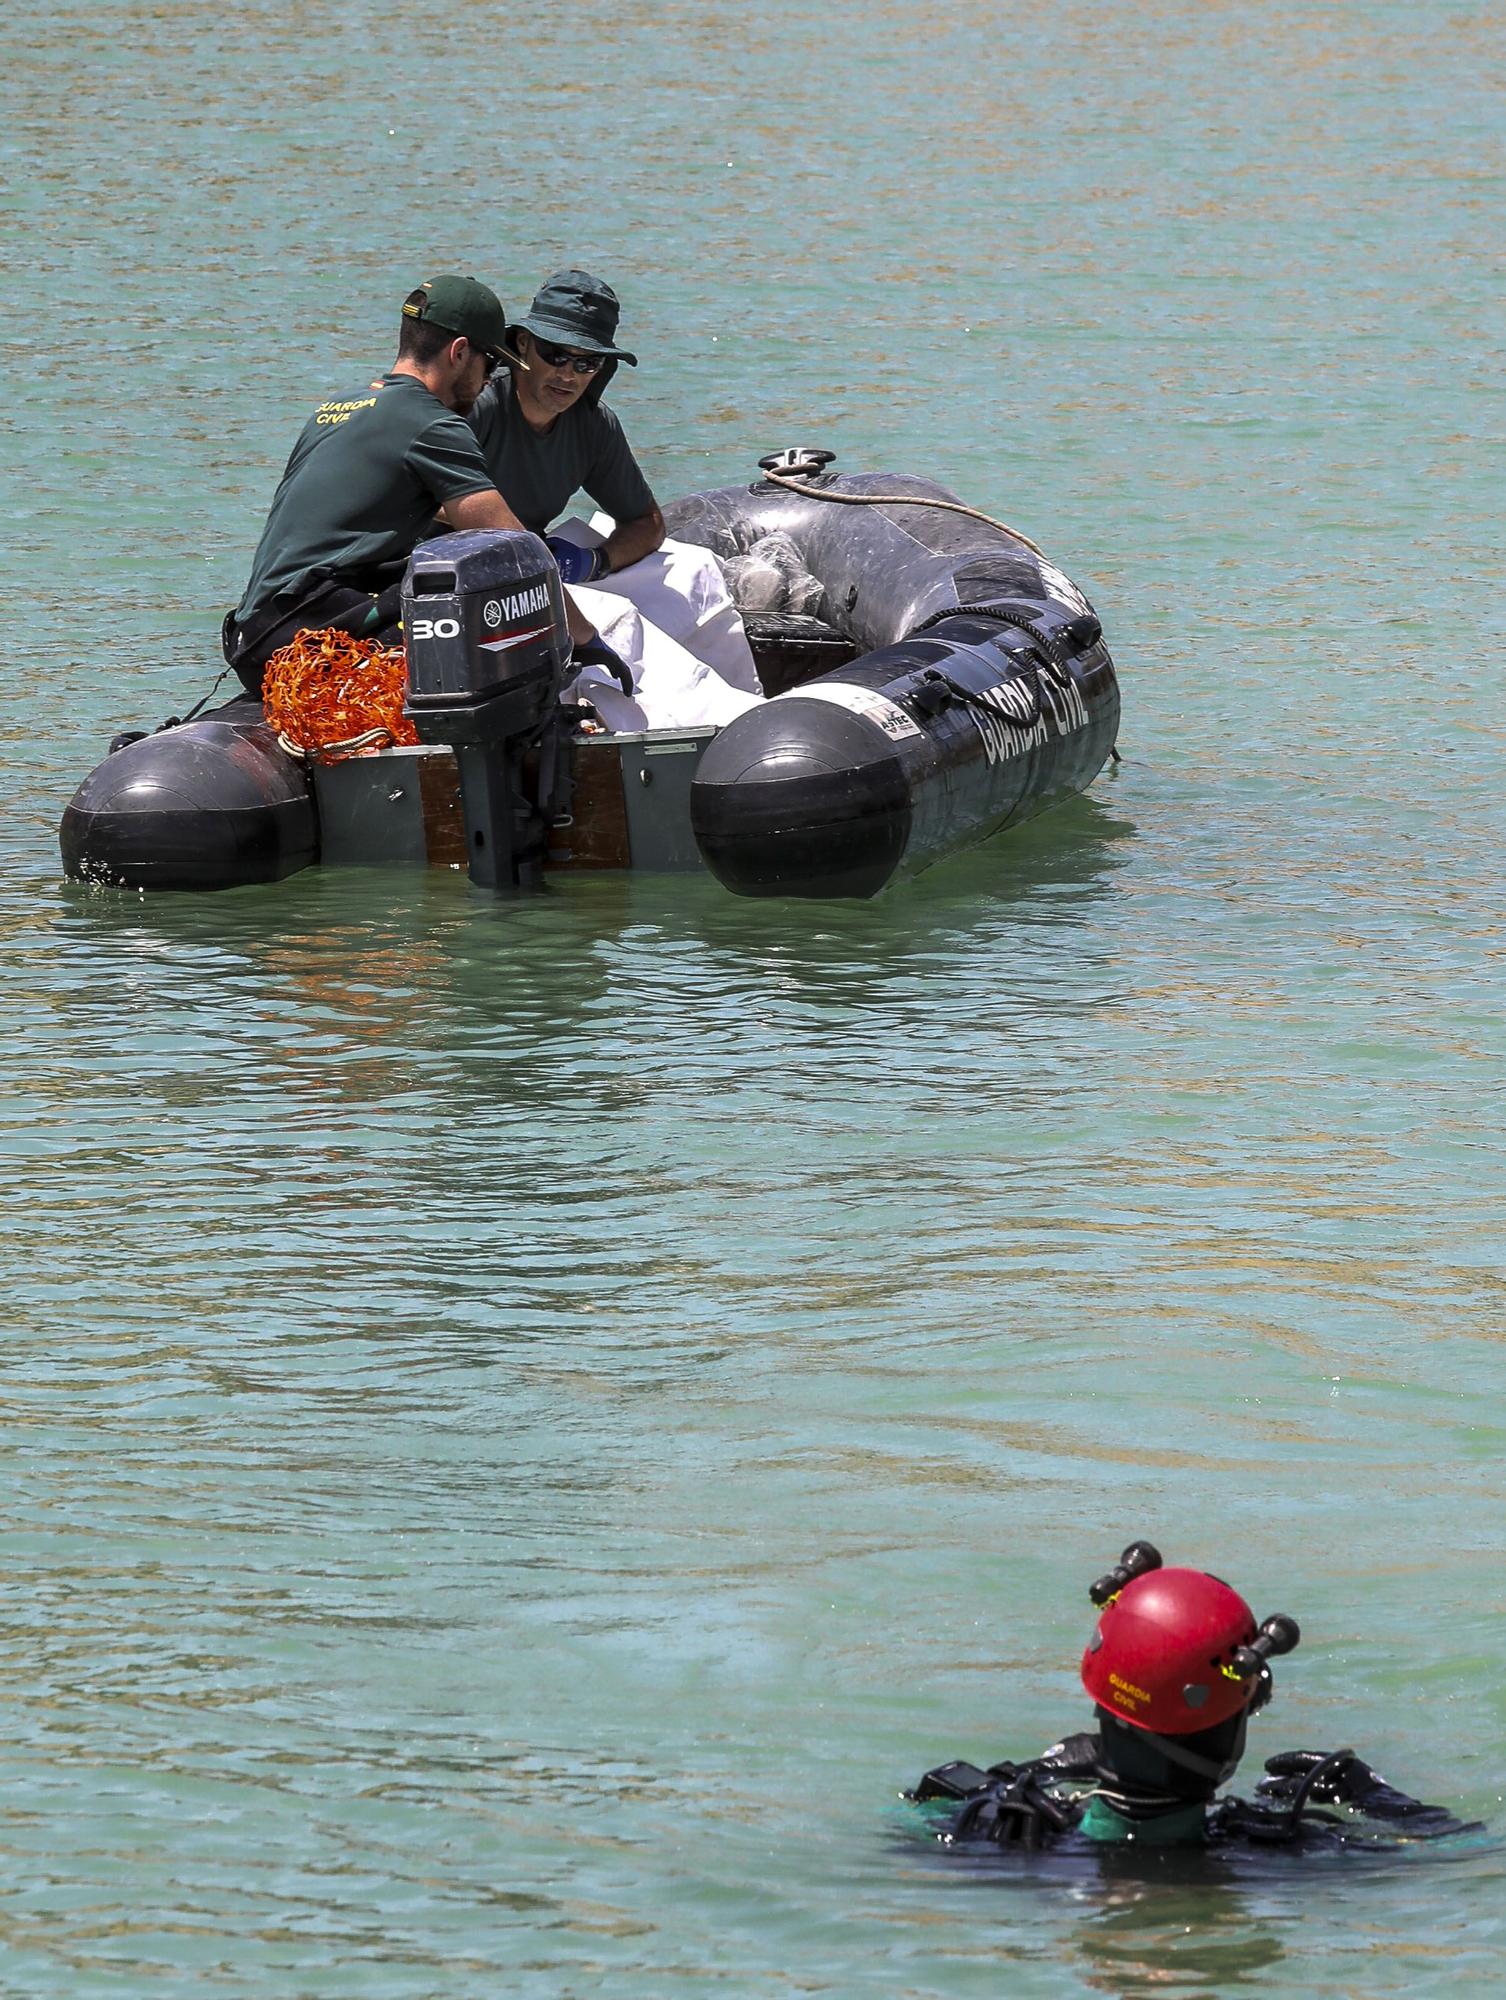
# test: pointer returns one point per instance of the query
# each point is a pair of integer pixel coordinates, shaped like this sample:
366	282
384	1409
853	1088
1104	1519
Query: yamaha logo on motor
518	617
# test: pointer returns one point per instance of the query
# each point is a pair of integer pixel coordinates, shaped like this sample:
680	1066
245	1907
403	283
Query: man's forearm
581	628
631	541
486	509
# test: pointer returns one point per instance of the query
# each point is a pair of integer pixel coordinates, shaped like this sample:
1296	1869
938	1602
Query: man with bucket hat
367	476
545	434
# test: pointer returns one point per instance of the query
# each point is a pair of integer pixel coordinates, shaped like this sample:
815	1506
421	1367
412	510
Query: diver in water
1176	1667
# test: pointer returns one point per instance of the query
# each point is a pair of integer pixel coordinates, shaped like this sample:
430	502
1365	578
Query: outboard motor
488	653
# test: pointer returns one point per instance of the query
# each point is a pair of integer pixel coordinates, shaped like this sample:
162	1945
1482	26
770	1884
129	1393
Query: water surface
527	1426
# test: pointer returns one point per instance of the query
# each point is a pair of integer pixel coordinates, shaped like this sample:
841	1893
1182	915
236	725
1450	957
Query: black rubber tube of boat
211	804
986	694
838	787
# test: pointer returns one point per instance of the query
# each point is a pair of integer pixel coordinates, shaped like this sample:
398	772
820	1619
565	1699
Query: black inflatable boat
933	679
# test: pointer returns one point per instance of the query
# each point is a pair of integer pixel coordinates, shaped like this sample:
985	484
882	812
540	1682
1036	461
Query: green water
527	1426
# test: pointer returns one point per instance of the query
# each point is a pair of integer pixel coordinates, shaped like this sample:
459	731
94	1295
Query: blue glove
595	652
577	565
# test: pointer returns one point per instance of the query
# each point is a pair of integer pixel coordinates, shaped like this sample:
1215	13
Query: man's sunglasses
562	357
491	357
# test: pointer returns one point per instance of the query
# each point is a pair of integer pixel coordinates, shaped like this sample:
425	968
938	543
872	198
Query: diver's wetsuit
1071	1795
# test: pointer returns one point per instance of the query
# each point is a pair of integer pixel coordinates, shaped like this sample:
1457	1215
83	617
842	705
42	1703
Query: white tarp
672	621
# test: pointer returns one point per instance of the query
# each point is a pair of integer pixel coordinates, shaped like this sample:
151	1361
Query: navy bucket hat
575	310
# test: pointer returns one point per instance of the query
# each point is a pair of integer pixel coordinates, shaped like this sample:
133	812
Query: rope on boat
331	753
898	500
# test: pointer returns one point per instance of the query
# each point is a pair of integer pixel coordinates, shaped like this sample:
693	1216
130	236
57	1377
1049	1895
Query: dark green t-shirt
365	479
583	450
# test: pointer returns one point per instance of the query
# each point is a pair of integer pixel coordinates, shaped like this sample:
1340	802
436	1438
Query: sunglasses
562	357
490	356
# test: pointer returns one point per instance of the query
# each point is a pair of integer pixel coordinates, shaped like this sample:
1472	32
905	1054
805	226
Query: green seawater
526	1426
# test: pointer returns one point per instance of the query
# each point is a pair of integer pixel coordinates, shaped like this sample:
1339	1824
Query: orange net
331	696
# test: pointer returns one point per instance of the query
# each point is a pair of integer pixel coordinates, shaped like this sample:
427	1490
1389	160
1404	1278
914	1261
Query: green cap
464	306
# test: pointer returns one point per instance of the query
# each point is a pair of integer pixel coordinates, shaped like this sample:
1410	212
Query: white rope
899	500
346	747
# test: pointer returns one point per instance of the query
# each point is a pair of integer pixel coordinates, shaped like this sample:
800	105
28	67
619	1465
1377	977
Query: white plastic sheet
672	621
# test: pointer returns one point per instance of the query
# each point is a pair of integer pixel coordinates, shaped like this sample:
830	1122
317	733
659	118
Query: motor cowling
488	645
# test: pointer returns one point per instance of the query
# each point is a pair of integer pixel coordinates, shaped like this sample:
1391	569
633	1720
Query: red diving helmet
1175	1650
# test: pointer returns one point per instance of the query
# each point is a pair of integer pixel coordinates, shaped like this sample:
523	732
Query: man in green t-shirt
367	477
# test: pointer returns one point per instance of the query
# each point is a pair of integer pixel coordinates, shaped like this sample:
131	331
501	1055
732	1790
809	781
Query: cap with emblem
461	305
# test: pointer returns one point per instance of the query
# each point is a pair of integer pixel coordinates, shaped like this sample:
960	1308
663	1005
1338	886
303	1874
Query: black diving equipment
1139	1559
1277	1635
1176	1667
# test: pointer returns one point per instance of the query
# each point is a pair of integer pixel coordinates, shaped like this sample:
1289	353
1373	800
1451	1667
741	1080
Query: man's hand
577	565
1346	1783
1346	1780
1074	1757
597	653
